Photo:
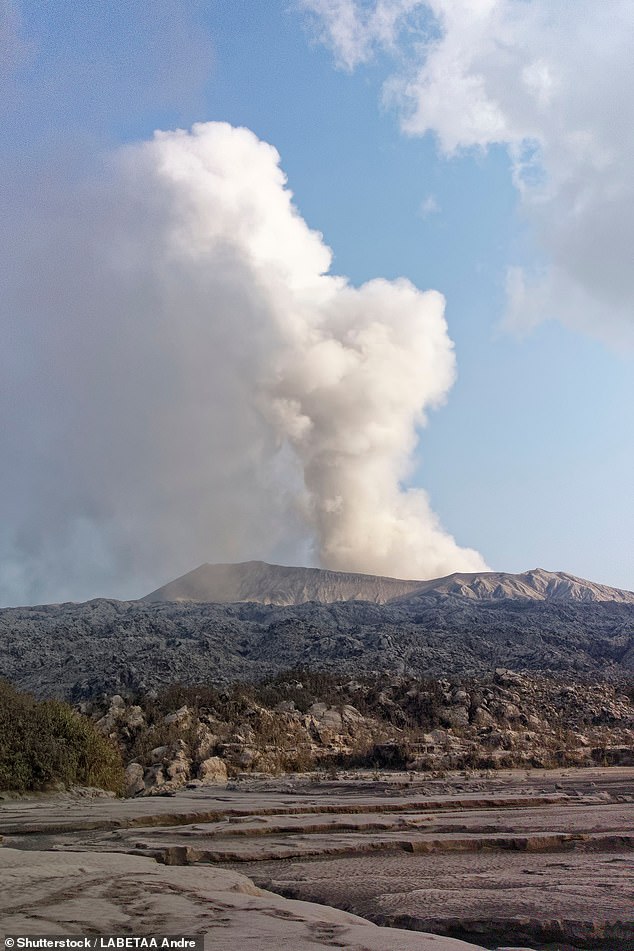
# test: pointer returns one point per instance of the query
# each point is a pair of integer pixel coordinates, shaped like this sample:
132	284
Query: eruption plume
189	383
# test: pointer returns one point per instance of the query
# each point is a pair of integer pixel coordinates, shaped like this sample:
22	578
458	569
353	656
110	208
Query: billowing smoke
186	382
351	385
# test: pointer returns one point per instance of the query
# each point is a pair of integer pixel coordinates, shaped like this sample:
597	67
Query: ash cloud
187	382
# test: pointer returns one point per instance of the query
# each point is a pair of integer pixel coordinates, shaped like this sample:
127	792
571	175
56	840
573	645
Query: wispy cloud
429	206
552	82
355	30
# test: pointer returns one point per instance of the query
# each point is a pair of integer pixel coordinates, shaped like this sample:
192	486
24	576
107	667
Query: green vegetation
44	744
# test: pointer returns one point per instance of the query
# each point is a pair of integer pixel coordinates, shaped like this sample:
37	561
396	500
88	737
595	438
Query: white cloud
187	382
355	30
429	206
551	80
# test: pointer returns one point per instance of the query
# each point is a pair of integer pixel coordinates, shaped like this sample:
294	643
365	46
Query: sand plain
539	859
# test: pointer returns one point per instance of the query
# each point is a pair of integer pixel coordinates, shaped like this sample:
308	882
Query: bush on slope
47	743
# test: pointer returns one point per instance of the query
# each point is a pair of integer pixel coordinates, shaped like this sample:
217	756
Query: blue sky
530	461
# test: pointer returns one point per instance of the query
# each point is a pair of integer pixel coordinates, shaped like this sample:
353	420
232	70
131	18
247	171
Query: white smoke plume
551	81
187	383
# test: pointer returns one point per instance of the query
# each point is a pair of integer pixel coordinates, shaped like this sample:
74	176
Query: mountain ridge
263	583
461	625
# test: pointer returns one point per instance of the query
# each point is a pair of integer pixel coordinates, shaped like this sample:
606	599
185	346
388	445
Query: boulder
247	757
134	783
181	717
158	754
179	762
212	770
205	741
115	713
154	777
483	718
134	718
454	716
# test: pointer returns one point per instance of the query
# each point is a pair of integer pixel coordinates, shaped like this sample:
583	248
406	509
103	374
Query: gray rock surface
77	650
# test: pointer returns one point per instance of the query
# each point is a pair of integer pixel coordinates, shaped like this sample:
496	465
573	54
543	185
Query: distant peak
262	582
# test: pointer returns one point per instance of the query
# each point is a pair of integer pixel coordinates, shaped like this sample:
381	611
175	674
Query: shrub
47	743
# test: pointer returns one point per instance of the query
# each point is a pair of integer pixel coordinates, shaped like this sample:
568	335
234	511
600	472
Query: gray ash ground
536	859
516	884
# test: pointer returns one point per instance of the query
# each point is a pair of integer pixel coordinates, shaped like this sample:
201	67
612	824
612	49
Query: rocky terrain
303	721
413	767
77	650
278	584
539	860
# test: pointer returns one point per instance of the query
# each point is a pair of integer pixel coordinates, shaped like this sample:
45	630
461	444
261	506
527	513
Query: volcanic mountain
222	623
257	581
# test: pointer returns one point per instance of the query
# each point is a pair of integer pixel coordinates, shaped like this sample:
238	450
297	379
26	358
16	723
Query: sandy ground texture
91	893
539	860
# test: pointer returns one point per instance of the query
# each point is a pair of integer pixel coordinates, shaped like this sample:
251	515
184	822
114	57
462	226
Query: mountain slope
257	581
278	584
80	650
536	585
465	624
